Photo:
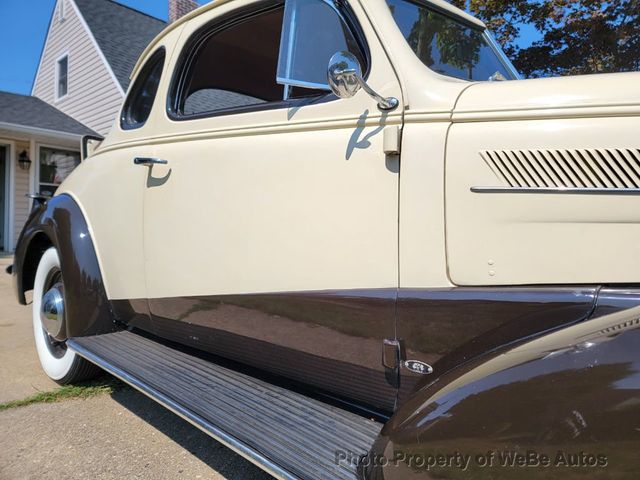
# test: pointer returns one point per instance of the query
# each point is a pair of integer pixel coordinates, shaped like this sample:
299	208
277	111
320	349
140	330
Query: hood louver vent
601	169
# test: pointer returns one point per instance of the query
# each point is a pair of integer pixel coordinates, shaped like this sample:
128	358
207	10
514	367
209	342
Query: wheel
49	325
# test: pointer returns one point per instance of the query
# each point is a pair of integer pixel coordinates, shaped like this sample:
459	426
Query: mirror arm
389	103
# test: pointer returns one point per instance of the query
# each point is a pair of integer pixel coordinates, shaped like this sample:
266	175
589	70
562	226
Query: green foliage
457	45
578	36
83	390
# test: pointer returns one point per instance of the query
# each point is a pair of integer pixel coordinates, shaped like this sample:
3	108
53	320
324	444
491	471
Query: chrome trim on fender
197	421
558	190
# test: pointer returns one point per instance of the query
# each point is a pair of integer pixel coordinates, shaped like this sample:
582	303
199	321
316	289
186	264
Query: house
89	52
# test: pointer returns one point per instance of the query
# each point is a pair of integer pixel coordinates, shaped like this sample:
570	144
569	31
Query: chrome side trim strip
558	190
227	440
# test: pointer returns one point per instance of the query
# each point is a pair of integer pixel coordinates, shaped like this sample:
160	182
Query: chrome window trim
296	83
493	43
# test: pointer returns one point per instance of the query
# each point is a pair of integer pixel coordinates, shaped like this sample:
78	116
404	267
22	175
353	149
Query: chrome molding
229	441
506	61
558	190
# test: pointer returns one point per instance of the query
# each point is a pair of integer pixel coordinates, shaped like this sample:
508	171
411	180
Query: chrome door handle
148	161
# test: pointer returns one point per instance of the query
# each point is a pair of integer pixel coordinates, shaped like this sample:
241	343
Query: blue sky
21	39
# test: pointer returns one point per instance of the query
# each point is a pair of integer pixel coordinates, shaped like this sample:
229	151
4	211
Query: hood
603	94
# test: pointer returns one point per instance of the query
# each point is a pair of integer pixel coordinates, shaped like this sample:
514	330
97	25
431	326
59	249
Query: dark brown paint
334	340
331	341
60	223
574	391
447	327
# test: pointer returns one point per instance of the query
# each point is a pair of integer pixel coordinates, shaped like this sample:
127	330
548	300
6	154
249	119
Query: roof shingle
122	33
32	112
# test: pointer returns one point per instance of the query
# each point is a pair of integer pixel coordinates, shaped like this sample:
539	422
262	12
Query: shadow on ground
218	457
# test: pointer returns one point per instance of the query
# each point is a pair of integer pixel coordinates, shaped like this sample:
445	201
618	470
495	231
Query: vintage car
345	239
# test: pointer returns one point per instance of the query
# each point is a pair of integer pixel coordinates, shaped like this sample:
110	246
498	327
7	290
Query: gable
121	33
94	95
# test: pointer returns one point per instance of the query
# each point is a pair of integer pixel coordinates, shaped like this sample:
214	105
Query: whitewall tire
58	362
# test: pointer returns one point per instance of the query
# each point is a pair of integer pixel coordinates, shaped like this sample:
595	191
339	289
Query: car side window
138	106
236	66
232	67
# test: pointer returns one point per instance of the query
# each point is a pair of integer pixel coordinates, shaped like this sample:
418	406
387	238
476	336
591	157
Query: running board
289	435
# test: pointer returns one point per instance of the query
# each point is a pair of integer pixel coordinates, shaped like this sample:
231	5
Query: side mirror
345	80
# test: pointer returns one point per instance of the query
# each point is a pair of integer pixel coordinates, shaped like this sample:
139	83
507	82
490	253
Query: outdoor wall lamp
24	161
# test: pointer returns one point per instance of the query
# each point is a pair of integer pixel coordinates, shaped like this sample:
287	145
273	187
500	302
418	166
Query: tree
577	36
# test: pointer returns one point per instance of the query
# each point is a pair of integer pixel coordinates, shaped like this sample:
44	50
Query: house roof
122	33
32	112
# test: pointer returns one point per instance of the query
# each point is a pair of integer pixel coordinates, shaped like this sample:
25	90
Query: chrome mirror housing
345	80
344	70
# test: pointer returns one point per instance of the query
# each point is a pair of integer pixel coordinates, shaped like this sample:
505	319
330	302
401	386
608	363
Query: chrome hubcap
52	312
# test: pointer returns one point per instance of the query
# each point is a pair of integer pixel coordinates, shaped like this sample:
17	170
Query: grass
90	389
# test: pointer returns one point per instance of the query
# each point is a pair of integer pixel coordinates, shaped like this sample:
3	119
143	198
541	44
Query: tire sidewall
56	368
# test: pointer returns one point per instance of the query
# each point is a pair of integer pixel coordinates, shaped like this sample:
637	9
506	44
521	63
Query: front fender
568	403
60	223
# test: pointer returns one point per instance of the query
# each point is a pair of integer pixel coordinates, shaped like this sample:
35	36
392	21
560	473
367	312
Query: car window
140	100
447	45
235	66
313	32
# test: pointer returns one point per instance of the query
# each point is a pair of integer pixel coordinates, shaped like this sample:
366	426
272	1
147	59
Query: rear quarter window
137	108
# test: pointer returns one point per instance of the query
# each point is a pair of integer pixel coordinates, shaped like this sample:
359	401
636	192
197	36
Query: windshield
447	45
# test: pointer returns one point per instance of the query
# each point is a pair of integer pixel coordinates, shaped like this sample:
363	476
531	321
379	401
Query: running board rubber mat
289	435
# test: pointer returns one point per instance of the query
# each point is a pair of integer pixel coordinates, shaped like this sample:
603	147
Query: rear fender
60	223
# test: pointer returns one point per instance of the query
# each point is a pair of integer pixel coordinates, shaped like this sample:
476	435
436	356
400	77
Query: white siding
21	203
93	97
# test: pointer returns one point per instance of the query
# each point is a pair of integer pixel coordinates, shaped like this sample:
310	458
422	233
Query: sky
22	38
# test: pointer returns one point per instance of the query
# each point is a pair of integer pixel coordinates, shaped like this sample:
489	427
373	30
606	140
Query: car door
109	188
271	233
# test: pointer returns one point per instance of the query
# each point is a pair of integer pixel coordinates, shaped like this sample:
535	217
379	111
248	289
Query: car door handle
148	161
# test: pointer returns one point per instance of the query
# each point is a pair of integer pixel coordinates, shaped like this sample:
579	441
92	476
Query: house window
55	165
62	76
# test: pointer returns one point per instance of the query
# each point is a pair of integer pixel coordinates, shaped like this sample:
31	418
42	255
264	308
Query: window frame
61	11
56	87
486	34
124	125
49	146
240	15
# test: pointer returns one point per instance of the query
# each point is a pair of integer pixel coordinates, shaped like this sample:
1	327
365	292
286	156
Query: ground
119	434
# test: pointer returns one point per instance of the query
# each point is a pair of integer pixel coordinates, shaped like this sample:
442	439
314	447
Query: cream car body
553	237
305	199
